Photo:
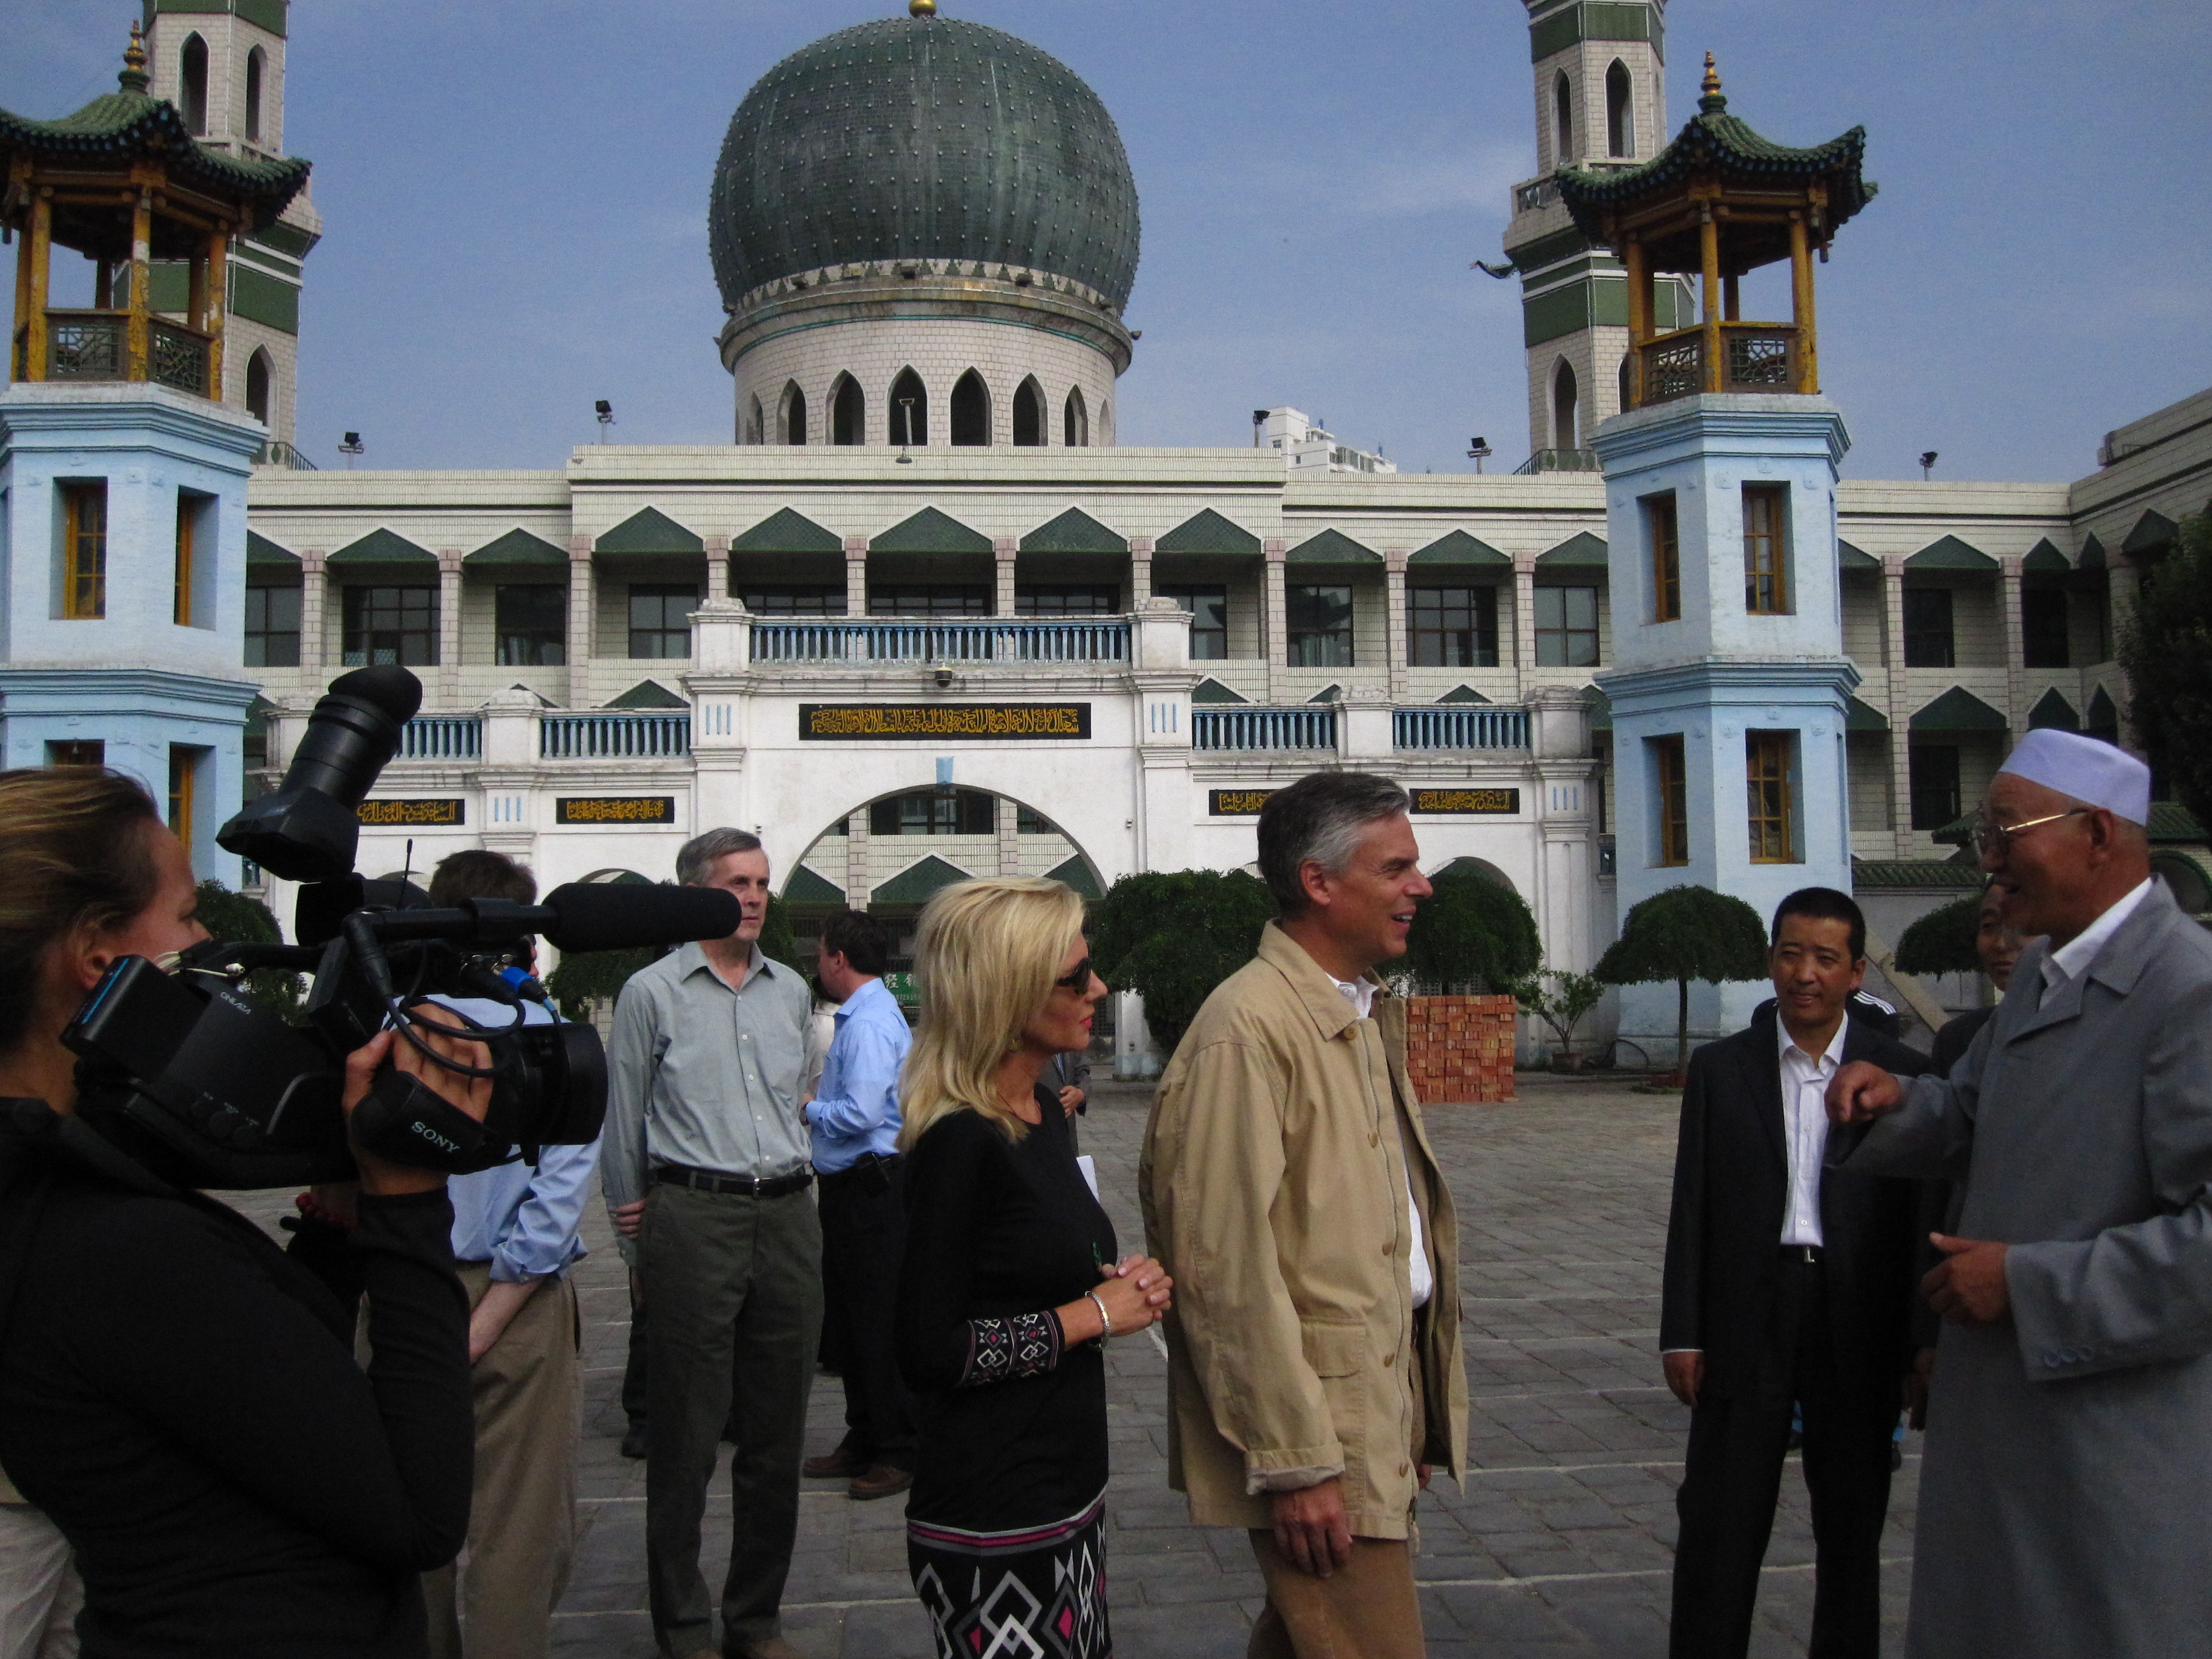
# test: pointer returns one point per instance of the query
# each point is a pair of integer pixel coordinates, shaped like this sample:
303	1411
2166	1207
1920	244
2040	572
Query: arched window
1620	112
257	385
1566	415
848	413
255	64
791	415
1029	414
971	412
909	411
756	428
1075	421
1563	121
193	65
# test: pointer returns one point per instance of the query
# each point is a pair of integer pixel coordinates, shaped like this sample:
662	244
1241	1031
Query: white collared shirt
2069	959
1360	993
1805	1127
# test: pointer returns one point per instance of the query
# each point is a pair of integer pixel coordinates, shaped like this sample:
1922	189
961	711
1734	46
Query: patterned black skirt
1033	1593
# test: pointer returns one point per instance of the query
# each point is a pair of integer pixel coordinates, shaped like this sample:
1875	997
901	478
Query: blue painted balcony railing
1249	727
598	736
1103	638
441	737
1460	727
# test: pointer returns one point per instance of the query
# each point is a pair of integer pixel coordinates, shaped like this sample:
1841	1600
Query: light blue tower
1730	682
123	474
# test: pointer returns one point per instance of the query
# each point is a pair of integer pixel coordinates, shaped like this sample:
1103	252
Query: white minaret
221	63
1600	75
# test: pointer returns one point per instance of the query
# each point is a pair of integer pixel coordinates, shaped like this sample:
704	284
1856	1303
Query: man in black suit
1788	1287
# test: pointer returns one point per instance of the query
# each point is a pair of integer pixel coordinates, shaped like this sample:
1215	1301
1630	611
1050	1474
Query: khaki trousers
1367	1609
522	1518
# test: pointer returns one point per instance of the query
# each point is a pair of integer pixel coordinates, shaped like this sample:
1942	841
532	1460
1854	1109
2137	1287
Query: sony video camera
188	1075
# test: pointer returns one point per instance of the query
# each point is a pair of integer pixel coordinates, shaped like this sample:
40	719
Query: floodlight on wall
351	448
605	412
1479	451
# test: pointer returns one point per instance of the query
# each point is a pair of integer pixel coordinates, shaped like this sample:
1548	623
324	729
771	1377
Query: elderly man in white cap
2068	1460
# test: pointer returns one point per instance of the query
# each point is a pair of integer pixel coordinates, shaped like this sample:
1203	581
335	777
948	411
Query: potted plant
1562	1008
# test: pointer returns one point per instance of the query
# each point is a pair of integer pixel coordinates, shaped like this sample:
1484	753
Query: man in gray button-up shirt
705	1171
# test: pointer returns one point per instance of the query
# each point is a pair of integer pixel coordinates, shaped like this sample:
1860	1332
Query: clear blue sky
515	196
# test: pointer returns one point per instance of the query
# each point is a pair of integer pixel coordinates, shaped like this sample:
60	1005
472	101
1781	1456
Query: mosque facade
923	617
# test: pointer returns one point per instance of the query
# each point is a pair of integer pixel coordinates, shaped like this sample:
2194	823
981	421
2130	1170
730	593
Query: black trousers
1727	1499
863	1234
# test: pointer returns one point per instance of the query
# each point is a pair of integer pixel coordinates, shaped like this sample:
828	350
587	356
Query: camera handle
400	1120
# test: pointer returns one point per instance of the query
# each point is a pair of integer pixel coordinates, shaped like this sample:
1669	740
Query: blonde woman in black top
1011	1284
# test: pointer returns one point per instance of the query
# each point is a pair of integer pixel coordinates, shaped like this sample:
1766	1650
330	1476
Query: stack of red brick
1460	1048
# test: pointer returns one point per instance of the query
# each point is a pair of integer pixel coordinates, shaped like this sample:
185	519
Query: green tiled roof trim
1715	141
1601	709
1951	553
119	125
649	530
2152	530
931	532
1462	694
1332	547
382	547
1459	548
2170	821
1077	874
787	532
1584	551
2052	709
916	882
649	694
1922	874
2092	555
1208	532
1073	531
1211	690
807	887
1863	717
259	549
1327	693
2043	557
933	138
1958	710
1851	558
519	547
2103	716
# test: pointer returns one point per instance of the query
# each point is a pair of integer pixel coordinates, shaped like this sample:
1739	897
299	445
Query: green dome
923	138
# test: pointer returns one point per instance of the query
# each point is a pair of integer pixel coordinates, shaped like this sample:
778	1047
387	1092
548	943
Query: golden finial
1711	83
921	7
133	78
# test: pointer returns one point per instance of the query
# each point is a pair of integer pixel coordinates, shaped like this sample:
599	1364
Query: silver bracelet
1104	1318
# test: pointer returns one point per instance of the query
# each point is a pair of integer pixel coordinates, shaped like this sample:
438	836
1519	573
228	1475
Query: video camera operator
179	1395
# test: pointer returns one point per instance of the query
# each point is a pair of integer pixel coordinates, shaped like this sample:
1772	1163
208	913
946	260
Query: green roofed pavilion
1958	710
1951	553
918	882
1459	548
383	547
1207	532
1579	552
787	532
649	530
1077	874
260	551
1073	531
931	532
518	547
1332	547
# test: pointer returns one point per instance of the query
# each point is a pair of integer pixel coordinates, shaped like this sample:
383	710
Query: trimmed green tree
1172	936
1685	934
1561	1007
1942	941
1473	931
586	978
2167	650
235	917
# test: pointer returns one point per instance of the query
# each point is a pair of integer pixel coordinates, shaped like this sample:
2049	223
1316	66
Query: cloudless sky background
514	198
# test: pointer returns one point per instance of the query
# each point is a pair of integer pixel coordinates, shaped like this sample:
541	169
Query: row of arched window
970	420
1620	115
192	87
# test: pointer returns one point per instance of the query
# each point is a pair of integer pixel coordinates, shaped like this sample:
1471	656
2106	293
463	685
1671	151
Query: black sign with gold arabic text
1466	800
938	722
413	814
614	808
1236	803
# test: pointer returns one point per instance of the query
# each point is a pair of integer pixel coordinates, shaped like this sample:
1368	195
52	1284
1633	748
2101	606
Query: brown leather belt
732	1186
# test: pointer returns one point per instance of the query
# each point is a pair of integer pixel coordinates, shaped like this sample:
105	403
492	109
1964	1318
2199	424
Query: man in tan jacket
1314	1372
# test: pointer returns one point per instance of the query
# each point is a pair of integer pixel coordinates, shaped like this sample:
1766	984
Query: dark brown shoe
882	1480
846	1463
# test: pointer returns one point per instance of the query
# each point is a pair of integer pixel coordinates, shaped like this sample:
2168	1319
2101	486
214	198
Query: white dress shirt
1805	1128
2078	953
1360	993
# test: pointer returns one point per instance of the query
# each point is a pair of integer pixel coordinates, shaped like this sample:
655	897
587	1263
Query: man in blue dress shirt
855	1120
515	1237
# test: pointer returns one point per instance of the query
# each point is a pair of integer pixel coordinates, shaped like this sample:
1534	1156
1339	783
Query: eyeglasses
1991	839
1076	979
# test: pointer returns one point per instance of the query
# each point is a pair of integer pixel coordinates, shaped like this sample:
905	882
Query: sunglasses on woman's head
1076	979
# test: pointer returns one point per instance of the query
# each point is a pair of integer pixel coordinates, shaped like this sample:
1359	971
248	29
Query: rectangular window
1028	821
390	625
660	618
1566	628
1320	626
1662	524
1453	626
532	621
1766	777
1934	770
77	751
1081	599
1927	638
1766	549
180	606
2043	627
183	769
794	601
1670	793
84	551
931	599
1209	620
272	627
936	813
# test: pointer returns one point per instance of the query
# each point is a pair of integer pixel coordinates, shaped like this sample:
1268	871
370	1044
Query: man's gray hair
1318	820
697	861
